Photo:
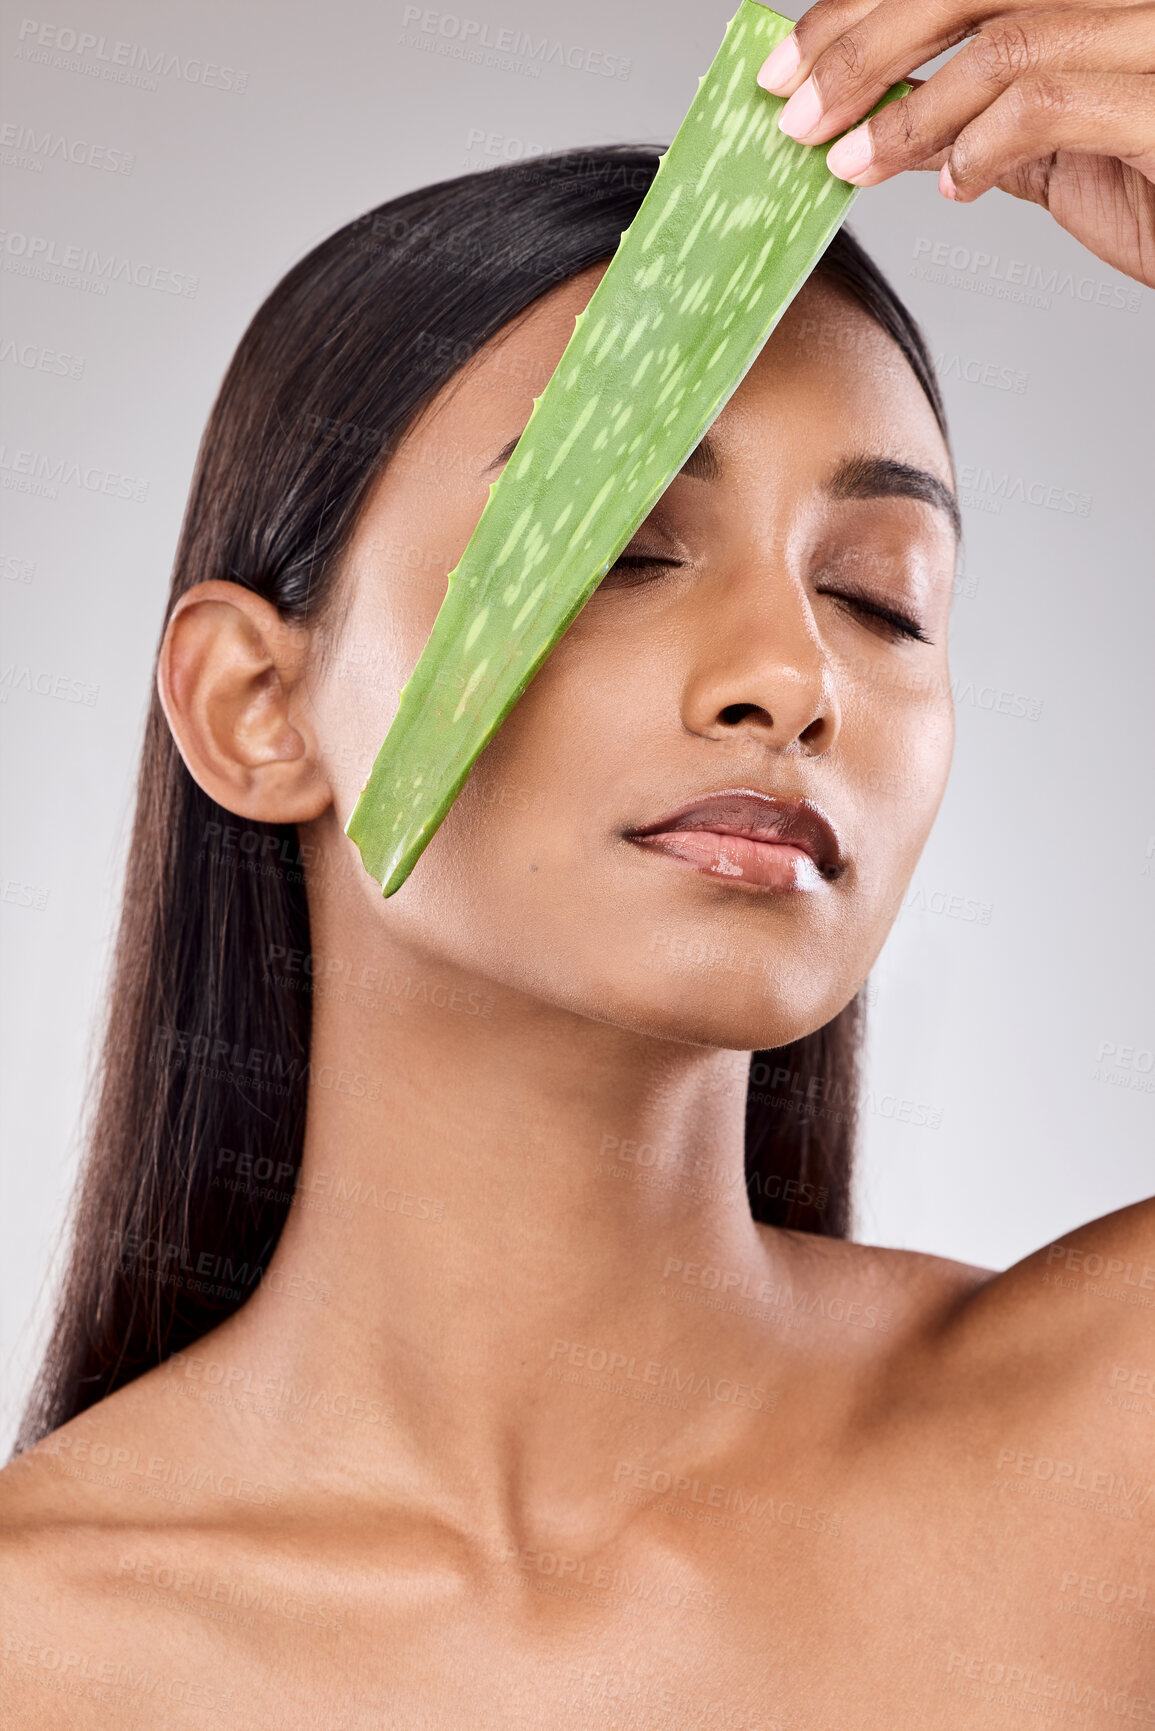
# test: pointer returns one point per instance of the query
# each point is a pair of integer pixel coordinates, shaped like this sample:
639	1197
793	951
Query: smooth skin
825	1484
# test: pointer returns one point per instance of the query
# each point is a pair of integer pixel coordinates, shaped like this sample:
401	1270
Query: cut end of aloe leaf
735	220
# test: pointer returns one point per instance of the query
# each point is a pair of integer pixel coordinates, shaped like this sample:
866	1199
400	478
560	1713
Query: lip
746	836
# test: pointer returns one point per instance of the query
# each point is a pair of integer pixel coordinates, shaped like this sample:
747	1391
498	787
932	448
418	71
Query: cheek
579	722
612	679
399	587
898	762
535	813
353	711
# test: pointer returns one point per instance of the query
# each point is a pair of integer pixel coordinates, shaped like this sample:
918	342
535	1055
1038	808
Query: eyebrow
871	477
865	476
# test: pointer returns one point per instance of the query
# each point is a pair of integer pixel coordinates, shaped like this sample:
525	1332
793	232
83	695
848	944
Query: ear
230	677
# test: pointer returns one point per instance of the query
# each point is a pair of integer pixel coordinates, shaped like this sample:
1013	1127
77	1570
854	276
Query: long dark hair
205	1063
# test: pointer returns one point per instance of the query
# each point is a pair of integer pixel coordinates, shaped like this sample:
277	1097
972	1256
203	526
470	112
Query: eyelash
640	562
900	623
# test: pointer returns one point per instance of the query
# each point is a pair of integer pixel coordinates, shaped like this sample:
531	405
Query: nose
757	670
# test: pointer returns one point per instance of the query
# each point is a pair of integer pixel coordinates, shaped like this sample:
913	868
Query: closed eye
633	569
898	623
634	566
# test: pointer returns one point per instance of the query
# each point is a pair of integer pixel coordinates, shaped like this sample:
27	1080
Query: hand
1052	103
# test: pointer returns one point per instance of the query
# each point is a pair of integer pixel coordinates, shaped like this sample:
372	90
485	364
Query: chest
736	1612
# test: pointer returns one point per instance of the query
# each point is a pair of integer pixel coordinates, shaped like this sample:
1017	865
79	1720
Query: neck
495	1208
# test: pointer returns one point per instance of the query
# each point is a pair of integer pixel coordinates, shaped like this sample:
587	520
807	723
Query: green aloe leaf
734	222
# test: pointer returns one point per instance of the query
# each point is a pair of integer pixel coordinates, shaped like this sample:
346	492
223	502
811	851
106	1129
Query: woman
448	1336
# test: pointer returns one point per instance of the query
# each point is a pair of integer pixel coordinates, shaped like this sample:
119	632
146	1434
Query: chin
713	1007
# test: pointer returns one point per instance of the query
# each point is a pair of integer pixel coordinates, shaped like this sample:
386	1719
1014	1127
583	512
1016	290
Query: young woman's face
747	647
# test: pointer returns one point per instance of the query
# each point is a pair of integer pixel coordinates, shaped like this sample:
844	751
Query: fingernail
946	184
851	155
779	67
802	113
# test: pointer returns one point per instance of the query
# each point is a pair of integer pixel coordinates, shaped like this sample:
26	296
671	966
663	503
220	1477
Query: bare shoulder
1067	1334
74	1486
139	1462
1054	1356
895	1296
60	1535
111	1527
1089	1292
1087	1296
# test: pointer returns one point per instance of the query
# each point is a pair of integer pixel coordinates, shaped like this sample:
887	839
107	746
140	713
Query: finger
795	57
787	65
1099	114
848	74
907	133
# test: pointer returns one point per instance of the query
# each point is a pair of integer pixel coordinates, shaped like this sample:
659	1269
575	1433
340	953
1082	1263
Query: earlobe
230	681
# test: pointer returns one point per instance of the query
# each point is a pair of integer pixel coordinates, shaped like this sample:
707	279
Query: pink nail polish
802	113
780	66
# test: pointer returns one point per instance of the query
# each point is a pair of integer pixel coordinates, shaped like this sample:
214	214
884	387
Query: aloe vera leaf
735	220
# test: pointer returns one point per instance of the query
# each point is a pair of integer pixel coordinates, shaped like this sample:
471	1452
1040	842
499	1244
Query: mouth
749	837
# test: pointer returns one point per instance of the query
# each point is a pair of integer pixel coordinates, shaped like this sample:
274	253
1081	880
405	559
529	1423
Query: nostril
736	712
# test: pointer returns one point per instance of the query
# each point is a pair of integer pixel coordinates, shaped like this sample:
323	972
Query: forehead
828	378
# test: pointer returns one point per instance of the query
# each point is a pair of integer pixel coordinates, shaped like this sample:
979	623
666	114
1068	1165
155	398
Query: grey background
1010	1087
